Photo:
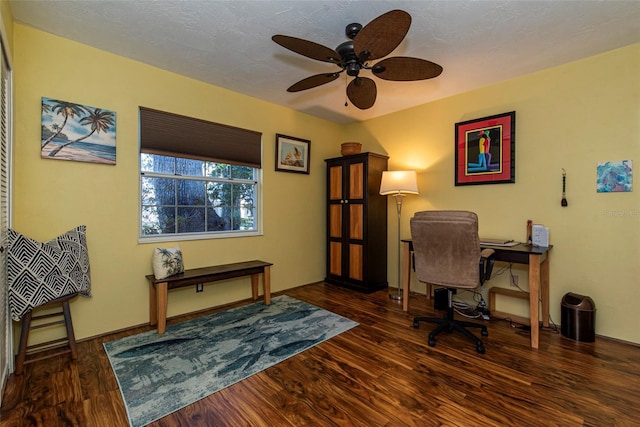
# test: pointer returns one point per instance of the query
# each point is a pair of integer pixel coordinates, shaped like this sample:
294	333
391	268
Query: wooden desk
159	288
534	256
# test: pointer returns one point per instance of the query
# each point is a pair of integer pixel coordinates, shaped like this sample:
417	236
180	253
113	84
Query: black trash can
578	317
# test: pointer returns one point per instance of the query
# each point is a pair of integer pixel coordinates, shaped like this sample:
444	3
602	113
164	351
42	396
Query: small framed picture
486	150
292	154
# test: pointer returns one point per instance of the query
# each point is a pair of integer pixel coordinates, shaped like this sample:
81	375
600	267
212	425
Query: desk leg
266	284
406	275
162	289
153	305
544	290
534	294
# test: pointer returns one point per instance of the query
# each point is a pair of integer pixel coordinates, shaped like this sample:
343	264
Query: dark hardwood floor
381	373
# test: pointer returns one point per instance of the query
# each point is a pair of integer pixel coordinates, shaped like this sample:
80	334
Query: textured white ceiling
228	43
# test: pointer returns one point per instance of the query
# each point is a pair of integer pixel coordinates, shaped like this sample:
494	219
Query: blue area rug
159	374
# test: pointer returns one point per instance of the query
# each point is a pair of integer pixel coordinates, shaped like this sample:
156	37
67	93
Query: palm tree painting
77	132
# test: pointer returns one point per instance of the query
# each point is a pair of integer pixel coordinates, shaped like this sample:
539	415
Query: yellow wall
53	196
569	117
572	117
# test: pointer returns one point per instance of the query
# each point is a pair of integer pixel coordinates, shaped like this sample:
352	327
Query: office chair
447	253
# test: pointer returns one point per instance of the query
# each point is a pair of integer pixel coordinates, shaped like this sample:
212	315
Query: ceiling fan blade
362	92
313	81
307	48
382	35
402	68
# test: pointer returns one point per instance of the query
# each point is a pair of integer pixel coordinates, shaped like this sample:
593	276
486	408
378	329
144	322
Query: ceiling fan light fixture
353	69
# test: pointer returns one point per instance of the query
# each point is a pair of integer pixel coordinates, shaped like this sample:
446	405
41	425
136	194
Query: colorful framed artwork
613	177
77	132
292	154
485	150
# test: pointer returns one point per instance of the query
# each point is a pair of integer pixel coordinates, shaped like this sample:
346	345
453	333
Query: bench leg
161	305
153	304
254	286
266	284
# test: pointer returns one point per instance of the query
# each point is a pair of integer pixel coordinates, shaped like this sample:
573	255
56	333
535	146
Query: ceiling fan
375	40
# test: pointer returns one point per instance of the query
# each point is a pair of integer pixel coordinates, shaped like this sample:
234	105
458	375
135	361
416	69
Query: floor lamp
398	184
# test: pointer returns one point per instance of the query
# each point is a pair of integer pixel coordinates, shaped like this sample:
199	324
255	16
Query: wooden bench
159	288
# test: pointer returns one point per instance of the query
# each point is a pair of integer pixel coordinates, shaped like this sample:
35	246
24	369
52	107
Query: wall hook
564	202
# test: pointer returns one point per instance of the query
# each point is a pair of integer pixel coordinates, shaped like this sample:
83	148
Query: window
193	196
197	179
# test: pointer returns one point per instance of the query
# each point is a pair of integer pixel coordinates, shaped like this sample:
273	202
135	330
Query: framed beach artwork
292	154
77	132
485	150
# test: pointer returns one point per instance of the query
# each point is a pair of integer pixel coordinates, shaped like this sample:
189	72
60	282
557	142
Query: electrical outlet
199	287
514	280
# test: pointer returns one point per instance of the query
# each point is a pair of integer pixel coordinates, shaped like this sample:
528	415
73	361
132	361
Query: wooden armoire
356	222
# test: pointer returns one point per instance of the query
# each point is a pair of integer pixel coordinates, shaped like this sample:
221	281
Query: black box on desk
441	299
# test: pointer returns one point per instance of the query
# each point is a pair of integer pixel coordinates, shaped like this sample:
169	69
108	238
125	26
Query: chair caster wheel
480	348
432	342
484	333
416	324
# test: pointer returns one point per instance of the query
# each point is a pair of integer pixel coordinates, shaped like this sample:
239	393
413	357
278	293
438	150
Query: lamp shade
399	182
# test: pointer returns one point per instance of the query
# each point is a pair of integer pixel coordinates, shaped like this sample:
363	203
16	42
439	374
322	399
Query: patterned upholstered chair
447	253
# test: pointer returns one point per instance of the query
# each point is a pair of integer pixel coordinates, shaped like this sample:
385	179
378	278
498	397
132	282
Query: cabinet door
336	203
355	220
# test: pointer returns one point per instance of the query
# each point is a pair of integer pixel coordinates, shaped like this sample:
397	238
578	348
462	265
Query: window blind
174	135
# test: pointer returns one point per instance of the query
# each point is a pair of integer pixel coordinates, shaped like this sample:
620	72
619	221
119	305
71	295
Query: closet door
6	355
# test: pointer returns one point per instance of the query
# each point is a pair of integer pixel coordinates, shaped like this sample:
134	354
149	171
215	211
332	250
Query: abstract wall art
614	177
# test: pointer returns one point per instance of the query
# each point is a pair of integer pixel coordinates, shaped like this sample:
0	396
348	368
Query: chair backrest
446	248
